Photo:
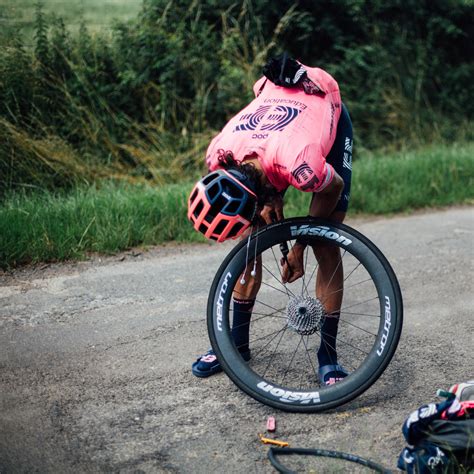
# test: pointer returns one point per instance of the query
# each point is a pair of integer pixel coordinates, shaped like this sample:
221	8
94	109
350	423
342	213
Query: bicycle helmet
222	205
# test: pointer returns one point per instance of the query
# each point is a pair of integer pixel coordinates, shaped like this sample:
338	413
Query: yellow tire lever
276	442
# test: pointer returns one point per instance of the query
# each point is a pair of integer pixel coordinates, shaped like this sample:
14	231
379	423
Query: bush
142	102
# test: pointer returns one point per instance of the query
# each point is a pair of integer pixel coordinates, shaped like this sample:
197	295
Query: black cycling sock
327	351
241	323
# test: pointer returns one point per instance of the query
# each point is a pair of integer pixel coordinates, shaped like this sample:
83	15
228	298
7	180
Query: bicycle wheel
282	372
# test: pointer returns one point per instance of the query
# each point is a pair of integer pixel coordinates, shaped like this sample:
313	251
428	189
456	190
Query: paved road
95	360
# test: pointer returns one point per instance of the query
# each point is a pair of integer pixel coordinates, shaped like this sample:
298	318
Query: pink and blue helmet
222	205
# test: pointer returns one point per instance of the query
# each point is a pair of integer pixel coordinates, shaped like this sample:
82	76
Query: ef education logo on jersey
267	118
304	174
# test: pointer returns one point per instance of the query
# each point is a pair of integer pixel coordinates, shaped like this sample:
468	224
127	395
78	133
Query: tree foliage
161	82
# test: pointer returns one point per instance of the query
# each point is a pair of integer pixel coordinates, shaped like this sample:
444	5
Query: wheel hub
305	315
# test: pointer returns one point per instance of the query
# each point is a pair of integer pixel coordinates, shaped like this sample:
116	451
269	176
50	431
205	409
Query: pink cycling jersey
290	132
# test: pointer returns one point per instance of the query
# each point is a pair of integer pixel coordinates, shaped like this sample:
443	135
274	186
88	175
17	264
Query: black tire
366	340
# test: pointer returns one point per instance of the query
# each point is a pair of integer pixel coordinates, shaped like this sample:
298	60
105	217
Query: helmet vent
221	226
198	209
209	217
235	230
193	195
214	190
207	179
232	207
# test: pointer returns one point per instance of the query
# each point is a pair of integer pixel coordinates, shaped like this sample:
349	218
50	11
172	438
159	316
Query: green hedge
50	226
143	100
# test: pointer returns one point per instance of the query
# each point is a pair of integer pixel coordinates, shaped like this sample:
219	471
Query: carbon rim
283	369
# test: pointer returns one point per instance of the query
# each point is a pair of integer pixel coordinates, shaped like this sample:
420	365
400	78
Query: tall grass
20	14
57	226
47	226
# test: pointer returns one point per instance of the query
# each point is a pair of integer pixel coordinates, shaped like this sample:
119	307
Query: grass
112	217
46	227
97	15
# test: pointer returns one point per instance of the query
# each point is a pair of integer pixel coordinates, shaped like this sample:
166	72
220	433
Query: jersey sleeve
211	154
310	171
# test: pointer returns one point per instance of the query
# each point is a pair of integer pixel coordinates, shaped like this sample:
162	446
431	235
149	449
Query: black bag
440	437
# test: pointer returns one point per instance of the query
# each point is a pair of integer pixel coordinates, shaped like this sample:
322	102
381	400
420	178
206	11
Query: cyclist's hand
273	211
293	265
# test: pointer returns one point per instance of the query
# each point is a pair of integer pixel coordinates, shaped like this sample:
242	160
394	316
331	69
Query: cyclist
296	132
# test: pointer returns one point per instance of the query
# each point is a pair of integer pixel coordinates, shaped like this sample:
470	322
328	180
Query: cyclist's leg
329	290
329	283
244	295
245	292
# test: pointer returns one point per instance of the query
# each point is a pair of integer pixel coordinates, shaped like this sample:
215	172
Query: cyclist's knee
250	281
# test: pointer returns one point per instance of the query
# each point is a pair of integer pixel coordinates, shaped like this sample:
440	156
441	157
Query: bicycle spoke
361	302
326	344
311	277
305	287
339	340
288	291
283	310
352	271
276	289
274	351
344	287
309	356
357	327
254	320
262	303
362	314
358	283
291	361
274	334
267	315
334	272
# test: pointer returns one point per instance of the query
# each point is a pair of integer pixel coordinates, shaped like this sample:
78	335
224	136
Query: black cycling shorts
340	157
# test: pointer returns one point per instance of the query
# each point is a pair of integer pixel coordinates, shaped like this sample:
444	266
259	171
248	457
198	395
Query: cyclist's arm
324	202
273	210
311	173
